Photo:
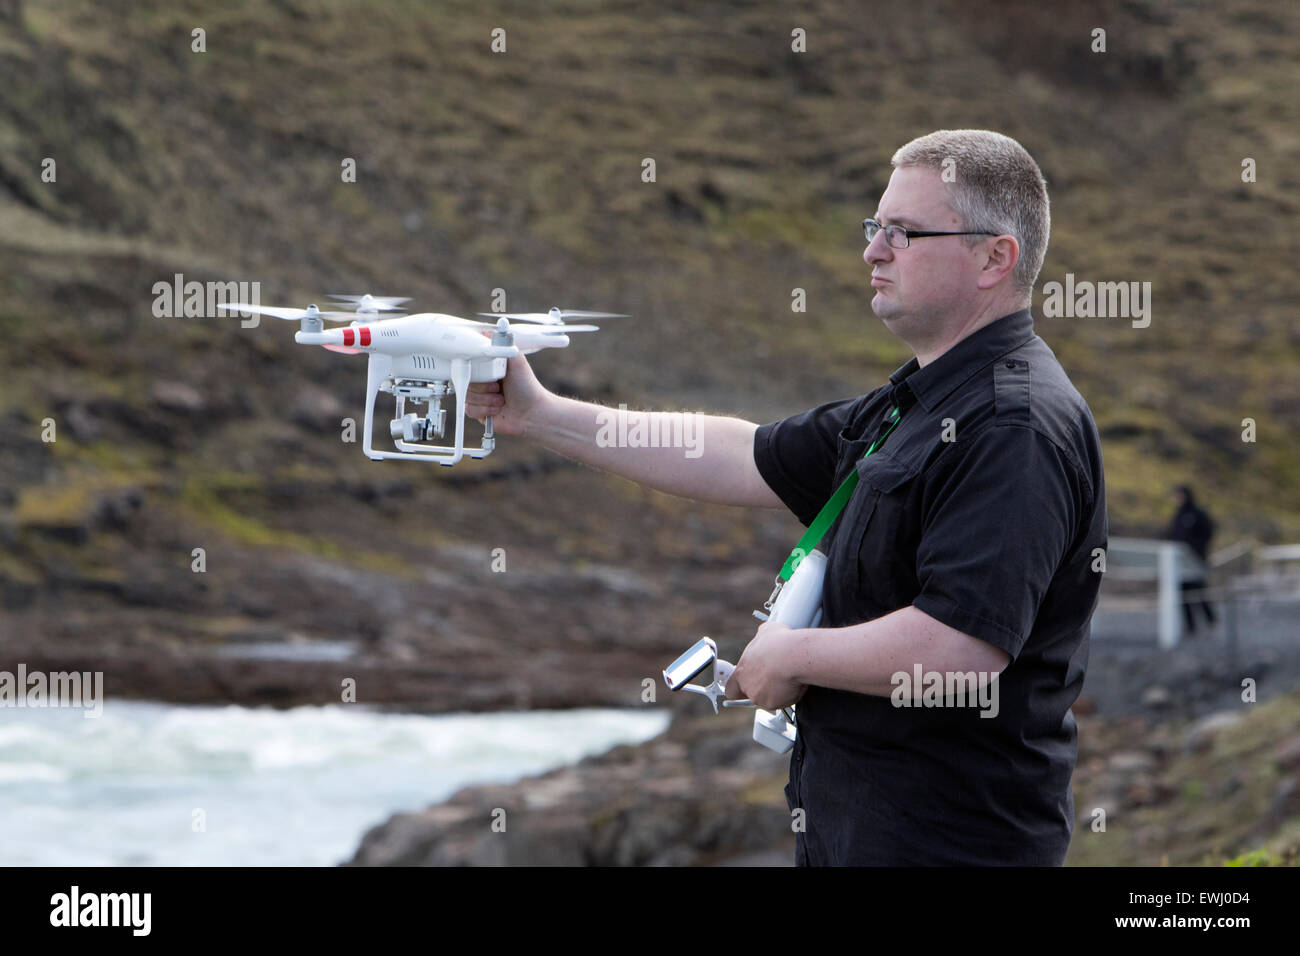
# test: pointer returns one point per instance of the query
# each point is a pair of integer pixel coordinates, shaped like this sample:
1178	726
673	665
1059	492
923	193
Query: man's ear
1001	258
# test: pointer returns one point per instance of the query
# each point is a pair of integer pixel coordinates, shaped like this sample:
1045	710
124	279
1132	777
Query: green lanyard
830	511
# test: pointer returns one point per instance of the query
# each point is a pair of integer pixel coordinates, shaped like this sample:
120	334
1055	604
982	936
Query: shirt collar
935	382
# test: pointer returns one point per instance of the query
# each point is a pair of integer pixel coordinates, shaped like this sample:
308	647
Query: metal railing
1252	573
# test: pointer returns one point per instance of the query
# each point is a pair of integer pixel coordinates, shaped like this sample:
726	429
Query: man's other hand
762	672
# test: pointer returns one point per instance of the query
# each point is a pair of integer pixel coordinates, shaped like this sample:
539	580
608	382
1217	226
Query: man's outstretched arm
717	466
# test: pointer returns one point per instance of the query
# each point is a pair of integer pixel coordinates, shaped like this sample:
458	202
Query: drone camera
413	427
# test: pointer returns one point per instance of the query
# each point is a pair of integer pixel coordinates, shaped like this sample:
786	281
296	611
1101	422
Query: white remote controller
798	604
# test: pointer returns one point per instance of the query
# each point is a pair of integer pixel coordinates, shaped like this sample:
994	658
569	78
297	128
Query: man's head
959	181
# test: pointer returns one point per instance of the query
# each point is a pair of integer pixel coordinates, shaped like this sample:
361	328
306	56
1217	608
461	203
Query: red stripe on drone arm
365	336
347	336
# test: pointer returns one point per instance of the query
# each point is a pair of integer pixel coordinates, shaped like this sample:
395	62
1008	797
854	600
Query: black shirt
992	532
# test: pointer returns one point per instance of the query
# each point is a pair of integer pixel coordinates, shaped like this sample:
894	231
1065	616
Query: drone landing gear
409	428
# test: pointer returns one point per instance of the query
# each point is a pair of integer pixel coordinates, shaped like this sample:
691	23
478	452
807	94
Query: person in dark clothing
1193	527
967	551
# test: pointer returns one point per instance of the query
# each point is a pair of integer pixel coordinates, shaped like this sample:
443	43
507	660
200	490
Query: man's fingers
483	399
734	690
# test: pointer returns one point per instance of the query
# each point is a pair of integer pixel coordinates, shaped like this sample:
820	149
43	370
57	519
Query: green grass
525	169
1203	822
1261	858
203	500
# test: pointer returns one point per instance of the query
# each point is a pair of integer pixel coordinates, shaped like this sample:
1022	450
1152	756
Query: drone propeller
556	316
289	315
566	314
545	330
532	329
371	303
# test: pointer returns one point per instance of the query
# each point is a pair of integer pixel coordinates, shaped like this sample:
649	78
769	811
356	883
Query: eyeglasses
898	237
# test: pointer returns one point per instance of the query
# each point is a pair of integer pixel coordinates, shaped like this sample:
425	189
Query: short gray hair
997	187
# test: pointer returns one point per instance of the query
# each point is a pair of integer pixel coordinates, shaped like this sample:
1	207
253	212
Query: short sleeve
797	455
999	520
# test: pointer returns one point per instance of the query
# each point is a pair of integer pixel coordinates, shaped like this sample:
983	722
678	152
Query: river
149	784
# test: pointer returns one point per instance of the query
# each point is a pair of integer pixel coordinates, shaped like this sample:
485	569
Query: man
971	545
1193	527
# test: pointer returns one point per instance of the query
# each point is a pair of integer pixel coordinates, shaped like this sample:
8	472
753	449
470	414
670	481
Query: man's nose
877	251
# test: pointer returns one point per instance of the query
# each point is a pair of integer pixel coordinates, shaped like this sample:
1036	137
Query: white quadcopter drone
423	358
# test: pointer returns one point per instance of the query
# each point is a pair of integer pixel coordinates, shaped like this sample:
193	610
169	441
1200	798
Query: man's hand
761	673
510	402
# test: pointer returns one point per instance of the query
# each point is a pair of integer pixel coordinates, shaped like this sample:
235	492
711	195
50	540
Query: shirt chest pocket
881	538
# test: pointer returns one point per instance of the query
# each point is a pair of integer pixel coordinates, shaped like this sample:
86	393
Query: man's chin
884	307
